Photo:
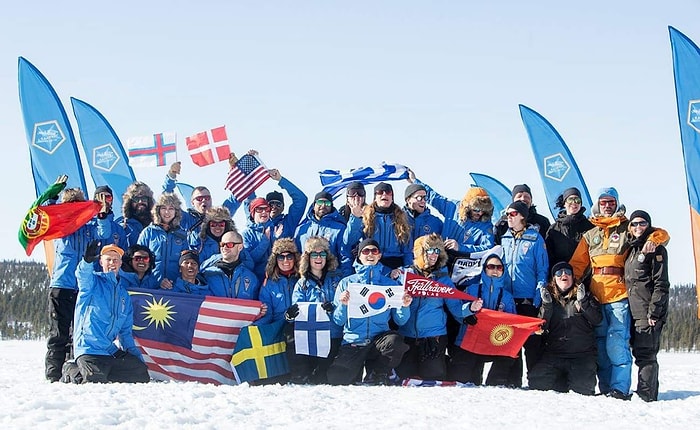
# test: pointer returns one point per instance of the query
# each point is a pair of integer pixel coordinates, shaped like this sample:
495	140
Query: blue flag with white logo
105	154
52	148
499	193
686	71
557	167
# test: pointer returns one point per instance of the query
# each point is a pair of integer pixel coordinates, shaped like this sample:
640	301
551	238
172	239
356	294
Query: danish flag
202	146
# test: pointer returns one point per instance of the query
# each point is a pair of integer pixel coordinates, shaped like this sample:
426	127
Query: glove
328	307
470	320
120	354
580	292
291	312
429	348
546	296
92	252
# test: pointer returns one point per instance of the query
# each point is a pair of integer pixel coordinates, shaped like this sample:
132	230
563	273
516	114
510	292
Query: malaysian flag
200	146
246	176
334	181
185	337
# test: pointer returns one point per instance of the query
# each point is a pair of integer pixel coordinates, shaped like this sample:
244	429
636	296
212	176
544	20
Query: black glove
470	320
328	307
120	354
430	348
292	312
92	252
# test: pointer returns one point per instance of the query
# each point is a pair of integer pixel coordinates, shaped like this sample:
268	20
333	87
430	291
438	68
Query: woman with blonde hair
319	277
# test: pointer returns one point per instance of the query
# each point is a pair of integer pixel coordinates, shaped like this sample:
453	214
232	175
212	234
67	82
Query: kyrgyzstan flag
499	333
202	146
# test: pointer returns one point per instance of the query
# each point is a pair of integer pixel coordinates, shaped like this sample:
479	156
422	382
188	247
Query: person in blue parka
137	268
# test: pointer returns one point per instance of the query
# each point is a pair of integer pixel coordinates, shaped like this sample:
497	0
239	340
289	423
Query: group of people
600	283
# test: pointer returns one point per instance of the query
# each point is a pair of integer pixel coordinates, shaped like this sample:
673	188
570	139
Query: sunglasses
144	258
322	202
261	209
639	223
420	198
355	195
275	203
480	210
513	213
431	251
322	254
607	202
202	198
379	193
574	200
561	272
140	199
219	224
368	251
494	266
229	245
287	256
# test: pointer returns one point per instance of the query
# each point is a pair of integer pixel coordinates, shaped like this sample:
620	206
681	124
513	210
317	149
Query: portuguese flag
54	221
499	333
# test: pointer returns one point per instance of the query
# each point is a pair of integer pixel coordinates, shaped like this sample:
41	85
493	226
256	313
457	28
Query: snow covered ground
30	401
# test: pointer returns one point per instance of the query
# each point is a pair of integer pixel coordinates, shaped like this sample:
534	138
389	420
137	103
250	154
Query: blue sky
315	85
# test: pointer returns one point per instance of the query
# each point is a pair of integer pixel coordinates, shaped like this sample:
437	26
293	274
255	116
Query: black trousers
467	367
105	368
424	359
381	355
60	342
646	342
579	374
533	347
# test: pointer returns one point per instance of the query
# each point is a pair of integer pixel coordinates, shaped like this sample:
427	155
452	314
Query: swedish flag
260	353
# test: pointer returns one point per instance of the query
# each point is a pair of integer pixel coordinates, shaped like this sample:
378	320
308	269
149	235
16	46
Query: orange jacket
607	245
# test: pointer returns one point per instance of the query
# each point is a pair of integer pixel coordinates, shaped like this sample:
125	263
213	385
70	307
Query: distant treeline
24	291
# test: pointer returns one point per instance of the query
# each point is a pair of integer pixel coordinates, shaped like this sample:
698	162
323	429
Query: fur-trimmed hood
167	199
476	197
424	243
281	246
136	189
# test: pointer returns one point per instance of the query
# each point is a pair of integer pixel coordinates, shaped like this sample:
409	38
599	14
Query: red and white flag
246	176
202	146
156	150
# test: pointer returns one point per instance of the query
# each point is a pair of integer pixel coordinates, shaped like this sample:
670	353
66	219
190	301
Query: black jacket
569	333
533	218
646	278
564	235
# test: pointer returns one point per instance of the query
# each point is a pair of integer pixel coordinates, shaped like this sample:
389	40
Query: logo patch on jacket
246	283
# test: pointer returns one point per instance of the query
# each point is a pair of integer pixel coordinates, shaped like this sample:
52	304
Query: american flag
185	337
246	176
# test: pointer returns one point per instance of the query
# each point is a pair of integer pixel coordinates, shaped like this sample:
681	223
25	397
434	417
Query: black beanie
640	214
323	195
355	187
562	265
522	188
520	207
383	186
411	189
103	189
573	191
188	255
368	242
274	195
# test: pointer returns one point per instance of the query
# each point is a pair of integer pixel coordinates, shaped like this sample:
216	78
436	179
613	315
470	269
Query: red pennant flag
499	333
418	286
200	146
54	221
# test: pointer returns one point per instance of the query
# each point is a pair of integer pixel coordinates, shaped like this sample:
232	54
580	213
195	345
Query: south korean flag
368	300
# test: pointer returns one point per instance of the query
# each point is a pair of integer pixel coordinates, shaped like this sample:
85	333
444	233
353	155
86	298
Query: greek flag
312	330
334	181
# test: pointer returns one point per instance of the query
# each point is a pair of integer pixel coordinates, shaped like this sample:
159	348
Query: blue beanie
609	192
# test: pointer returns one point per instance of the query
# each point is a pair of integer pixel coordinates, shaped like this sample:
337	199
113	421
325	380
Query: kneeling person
104	314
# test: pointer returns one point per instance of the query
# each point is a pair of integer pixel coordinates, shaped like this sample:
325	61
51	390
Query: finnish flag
312	330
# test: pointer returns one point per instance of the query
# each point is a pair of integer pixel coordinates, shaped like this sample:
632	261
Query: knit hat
355	187
522	188
609	192
115	248
103	189
323	195
640	214
520	207
257	202
383	186
188	254
561	265
368	242
274	195
412	189
573	191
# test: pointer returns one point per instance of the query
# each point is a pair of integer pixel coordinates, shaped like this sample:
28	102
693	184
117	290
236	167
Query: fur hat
424	243
285	244
274	195
412	189
257	202
520	207
476	197
167	199
522	188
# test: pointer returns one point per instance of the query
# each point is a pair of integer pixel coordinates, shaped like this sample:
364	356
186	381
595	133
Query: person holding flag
425	332
367	341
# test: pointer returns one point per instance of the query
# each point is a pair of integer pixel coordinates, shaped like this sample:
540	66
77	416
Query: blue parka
422	223
428	317
526	264
311	289
103	313
291	219
130	280
132	229
166	246
383	234
277	295
362	331
243	283
332	227
69	251
198	289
